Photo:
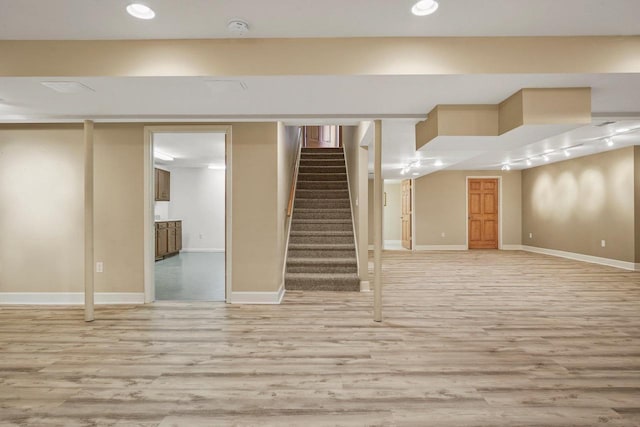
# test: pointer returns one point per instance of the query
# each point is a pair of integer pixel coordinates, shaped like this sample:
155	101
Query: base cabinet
168	238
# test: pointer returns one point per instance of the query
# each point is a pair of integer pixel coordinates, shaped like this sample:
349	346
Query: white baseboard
511	247
365	286
441	248
69	298
206	250
257	297
584	258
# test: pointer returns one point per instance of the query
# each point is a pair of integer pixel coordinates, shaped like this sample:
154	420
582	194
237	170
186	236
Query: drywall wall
440	203
575	204
392	212
119	204
41	209
287	146
356	140
198	199
42	166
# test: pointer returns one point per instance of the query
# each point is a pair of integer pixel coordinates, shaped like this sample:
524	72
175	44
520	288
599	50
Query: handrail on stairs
294	179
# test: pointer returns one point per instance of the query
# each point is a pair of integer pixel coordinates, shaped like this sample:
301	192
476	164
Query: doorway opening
327	136
483	213
188	209
397	214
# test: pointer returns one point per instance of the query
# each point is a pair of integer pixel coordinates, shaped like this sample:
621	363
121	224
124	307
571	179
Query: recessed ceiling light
545	158
67	87
438	163
609	142
529	163
416	174
506	168
140	11
162	156
238	27
567	153
217	167
622	130
424	7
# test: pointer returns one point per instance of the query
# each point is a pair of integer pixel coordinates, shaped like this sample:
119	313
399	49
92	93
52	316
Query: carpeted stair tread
322	246
345	282
323	261
322	233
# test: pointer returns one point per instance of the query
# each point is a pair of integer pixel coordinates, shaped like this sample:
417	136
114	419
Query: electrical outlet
99	267
603	243
531	235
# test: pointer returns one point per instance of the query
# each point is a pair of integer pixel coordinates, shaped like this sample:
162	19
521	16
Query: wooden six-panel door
483	213
407	210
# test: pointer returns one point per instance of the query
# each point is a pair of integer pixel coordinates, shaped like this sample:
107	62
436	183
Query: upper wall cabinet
163	185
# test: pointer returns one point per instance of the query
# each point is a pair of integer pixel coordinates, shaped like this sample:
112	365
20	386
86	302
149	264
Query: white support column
88	221
377	222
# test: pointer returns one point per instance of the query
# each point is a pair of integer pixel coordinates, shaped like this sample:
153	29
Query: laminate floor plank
478	338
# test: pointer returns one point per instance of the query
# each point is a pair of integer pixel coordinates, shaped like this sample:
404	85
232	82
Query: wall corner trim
258	297
584	258
69	298
441	247
365	286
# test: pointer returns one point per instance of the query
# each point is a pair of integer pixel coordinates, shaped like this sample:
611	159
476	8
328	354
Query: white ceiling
107	19
190	149
336	99
289	96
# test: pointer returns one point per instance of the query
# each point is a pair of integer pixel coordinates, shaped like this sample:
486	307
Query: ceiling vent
226	86
67	87
605	124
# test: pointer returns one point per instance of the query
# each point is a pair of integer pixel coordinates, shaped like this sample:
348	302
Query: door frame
149	199
466	209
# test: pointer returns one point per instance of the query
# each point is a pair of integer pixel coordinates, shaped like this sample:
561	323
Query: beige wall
287	156
573	205
41	208
119	203
440	206
392	212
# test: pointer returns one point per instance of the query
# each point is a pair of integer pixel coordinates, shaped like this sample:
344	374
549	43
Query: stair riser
319	214
304	163
326	269
346	285
308	185
320	227
322	239
339	157
322	150
322	169
322	204
305	253
322	177
322	194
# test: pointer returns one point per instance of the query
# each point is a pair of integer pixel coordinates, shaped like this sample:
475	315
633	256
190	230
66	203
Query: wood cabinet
162	185
168	238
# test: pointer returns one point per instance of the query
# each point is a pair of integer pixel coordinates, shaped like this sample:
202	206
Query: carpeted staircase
322	253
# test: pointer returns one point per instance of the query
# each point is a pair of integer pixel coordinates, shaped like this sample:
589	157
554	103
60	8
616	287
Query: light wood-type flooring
480	338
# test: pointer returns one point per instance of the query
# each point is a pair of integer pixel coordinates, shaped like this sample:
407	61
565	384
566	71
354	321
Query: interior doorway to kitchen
188	189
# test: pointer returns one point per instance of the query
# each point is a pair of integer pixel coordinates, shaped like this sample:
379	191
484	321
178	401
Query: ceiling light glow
416	174
424	7
567	153
218	167
140	11
438	163
162	156
609	142
529	163
622	130
545	158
